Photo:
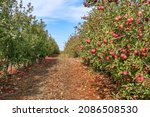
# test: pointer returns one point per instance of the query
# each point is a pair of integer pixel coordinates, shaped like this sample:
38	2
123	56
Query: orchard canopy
115	39
23	38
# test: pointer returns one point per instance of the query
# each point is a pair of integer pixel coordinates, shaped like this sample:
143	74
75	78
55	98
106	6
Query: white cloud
58	9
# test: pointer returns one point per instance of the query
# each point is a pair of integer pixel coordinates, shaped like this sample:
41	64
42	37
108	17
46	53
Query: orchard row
115	38
23	39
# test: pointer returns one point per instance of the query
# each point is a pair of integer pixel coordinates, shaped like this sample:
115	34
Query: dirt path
60	78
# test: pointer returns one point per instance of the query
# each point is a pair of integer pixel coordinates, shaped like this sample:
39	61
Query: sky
60	16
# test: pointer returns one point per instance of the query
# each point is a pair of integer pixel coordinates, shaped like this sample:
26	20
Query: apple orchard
115	39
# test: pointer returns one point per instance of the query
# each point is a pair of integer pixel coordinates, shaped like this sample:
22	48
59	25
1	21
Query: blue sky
60	16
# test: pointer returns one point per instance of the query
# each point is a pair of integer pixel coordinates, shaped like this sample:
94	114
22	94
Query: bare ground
58	78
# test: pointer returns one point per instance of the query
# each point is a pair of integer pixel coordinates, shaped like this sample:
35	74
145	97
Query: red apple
145	68
93	51
121	26
88	41
115	57
118	18
124	51
81	46
128	46
144	50
101	8
136	52
124	72
115	35
124	56
112	53
130	20
107	58
147	2
105	40
140	78
144	54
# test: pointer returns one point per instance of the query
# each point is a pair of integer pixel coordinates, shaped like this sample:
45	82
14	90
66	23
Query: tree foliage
23	39
115	39
72	46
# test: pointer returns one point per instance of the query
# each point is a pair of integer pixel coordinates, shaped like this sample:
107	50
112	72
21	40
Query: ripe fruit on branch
144	50
105	40
88	41
115	35
128	46
144	54
140	35
124	51
121	26
145	68
136	52
124	56
81	46
140	78
101	8
117	1
130	20
118	18
124	73
115	44
114	56
107	58
109	0
112	53
93	51
147	2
